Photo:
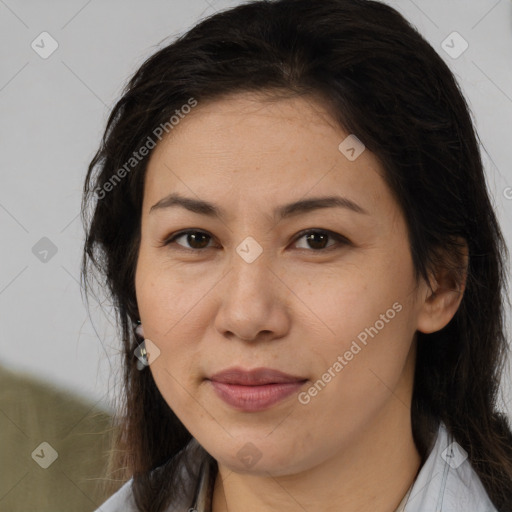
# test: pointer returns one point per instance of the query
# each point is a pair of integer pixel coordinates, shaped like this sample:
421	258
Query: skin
295	308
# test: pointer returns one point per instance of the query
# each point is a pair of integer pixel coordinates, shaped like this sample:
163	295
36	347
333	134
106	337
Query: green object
53	447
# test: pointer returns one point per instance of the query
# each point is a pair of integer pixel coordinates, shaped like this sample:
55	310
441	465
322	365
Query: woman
291	215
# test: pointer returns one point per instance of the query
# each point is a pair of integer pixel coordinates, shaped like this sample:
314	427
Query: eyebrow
281	212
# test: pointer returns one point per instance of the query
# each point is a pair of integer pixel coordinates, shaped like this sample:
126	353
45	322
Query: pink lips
254	390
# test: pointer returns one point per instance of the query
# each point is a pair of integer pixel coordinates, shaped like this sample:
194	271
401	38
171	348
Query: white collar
447	482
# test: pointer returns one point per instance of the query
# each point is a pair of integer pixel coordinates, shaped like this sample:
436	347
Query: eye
197	240
315	238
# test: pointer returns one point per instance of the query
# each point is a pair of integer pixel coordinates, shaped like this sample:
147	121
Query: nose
255	303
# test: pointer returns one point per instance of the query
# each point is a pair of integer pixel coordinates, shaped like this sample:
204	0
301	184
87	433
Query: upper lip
254	377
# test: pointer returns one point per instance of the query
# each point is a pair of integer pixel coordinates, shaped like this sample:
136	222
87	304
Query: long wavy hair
381	81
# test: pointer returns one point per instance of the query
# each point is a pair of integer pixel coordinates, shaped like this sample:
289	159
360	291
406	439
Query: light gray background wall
53	111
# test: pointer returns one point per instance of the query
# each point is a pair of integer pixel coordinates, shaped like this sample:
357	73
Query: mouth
254	390
255	377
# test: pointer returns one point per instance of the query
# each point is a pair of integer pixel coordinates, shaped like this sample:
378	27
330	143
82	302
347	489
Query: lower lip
255	398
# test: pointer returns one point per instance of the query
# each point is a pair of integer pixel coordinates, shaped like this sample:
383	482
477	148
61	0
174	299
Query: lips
255	377
254	390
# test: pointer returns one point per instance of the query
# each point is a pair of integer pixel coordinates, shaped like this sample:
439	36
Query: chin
260	457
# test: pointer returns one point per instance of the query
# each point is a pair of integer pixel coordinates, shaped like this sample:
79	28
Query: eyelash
341	240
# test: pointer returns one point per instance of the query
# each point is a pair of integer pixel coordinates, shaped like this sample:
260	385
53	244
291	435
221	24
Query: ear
445	289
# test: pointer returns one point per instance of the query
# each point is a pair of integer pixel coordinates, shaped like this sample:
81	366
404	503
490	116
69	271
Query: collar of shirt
202	501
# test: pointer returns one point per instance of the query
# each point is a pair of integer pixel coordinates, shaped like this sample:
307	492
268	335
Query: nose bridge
250	302
250	267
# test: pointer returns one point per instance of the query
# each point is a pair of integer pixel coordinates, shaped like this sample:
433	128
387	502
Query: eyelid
171	238
340	239
336	236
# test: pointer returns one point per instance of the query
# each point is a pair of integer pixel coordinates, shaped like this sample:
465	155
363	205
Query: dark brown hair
383	82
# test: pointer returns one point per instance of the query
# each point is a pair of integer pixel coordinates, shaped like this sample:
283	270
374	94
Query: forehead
262	147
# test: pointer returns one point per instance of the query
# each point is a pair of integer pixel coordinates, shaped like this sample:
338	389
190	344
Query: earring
139	331
140	352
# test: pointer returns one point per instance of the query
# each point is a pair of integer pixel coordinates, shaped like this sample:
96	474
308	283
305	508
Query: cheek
347	300
163	307
170	299
366	317
359	372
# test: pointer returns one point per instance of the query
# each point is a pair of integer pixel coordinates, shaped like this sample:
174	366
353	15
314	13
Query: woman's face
257	288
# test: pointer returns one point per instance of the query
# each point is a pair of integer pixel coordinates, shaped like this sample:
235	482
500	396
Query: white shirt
445	483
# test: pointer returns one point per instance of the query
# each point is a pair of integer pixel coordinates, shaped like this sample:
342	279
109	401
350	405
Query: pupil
310	239
194	237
